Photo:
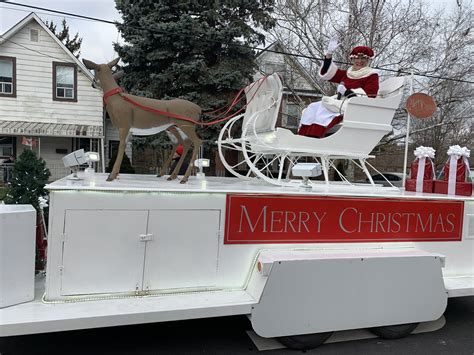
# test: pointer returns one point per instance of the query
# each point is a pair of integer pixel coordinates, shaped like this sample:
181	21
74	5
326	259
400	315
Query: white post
407	137
103	154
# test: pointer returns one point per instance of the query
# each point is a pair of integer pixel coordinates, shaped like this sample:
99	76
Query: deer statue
178	117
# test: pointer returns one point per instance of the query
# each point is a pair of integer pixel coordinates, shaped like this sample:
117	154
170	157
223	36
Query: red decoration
428	174
257	219
41	243
462	188
428	185
461	173
362	50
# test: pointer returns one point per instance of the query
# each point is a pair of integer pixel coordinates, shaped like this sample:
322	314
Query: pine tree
29	177
196	50
74	44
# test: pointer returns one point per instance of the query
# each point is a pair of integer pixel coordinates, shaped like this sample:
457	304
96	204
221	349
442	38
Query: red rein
119	90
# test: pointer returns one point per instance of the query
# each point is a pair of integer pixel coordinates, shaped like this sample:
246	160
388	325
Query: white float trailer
299	262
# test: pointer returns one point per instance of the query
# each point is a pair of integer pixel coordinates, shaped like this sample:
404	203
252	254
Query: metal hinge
146	237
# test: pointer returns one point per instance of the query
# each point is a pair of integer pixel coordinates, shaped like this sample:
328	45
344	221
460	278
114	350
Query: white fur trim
332	70
359	91
361	73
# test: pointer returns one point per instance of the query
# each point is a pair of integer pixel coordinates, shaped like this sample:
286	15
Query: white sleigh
268	152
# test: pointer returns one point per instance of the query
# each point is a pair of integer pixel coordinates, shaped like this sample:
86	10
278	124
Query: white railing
6	172
58	171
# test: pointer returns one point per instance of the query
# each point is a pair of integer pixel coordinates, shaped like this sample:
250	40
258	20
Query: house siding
34	73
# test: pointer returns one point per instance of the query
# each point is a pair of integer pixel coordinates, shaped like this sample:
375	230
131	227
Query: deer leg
196	141
186	144
123	134
175	139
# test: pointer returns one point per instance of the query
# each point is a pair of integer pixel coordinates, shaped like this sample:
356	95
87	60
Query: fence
58	171
6	173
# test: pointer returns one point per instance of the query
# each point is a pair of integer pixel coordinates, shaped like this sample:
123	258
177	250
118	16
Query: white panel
313	296
17	254
102	251
184	249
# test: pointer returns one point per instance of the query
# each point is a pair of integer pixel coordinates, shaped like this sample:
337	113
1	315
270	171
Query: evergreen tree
196	50
29	177
126	166
74	44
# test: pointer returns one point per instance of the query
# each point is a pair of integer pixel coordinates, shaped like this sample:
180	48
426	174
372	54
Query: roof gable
277	46
33	17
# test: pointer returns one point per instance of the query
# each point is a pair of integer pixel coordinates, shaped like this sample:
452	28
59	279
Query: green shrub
3	192
29	176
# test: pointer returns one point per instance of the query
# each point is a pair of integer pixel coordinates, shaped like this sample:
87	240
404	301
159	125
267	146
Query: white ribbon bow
42	202
422	153
457	150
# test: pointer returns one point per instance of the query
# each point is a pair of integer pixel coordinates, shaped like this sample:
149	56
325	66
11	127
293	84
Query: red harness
112	92
118	90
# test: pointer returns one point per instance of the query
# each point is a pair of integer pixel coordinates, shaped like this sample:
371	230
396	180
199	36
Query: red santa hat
362	51
179	150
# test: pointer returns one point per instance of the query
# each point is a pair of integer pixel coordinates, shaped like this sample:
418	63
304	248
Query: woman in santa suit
359	79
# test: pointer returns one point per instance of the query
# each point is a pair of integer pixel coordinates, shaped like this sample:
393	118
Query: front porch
50	141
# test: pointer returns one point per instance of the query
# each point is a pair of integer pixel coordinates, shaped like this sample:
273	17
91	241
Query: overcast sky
97	37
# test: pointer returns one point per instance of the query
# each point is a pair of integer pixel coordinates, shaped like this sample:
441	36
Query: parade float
300	257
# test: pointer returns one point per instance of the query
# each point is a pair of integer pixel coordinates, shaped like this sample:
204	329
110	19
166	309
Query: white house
299	87
46	98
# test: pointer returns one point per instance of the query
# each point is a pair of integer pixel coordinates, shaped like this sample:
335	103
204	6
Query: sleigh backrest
264	99
391	86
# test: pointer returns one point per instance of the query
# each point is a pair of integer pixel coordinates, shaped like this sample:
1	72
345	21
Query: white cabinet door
184	249
102	251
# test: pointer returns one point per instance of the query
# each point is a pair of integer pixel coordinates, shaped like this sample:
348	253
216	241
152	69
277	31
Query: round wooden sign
421	105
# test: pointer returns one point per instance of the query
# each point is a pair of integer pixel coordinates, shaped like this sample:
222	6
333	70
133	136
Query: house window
34	35
64	82
113	148
293	114
6	146
7	76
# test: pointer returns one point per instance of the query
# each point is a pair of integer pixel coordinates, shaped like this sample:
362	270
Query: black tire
305	341
394	331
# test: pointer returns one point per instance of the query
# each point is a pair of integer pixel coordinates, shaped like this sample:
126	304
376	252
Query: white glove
332	46
341	89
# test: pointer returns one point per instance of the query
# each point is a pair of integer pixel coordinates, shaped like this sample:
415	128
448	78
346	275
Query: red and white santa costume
319	117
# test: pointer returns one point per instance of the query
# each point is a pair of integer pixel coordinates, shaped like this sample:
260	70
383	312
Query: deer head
103	72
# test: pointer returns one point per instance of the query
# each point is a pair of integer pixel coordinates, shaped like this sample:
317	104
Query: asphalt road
228	336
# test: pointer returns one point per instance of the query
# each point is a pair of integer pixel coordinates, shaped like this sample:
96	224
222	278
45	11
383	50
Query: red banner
255	219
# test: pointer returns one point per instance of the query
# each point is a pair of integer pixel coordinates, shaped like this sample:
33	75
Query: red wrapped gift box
428	173
410	185
461	170
462	188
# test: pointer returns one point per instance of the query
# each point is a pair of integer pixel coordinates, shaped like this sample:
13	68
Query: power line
69	14
34	50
